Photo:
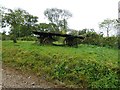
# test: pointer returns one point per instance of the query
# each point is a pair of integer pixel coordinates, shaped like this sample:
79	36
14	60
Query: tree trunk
107	33
14	39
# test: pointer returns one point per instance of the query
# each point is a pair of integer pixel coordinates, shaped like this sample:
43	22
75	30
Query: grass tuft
85	66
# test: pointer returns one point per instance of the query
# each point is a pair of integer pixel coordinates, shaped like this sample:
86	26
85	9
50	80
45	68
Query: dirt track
12	78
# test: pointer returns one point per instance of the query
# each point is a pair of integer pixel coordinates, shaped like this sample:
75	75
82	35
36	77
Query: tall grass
85	66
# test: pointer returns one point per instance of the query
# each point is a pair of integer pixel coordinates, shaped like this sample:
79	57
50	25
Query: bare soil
13	78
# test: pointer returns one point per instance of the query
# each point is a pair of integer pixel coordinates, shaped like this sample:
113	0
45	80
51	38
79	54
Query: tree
73	32
44	27
107	24
83	31
20	22
58	17
117	26
29	25
13	19
4	35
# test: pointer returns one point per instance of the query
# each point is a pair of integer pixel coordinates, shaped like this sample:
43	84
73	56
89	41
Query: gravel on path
13	78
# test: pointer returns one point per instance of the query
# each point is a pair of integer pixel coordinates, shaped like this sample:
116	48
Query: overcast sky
86	13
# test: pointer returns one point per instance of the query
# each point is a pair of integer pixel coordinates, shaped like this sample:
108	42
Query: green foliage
58	17
110	42
108	25
44	27
5	37
85	66
28	38
92	38
21	22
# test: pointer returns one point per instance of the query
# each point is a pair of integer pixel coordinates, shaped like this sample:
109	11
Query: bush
110	42
93	38
86	74
6	37
27	38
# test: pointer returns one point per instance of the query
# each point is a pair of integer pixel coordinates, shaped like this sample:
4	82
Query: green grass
85	66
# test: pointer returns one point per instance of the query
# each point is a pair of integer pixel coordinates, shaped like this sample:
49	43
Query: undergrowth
84	67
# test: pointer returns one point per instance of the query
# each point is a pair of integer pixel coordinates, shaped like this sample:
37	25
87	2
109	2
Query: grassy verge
85	66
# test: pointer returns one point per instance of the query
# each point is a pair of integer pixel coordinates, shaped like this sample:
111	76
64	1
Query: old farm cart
47	38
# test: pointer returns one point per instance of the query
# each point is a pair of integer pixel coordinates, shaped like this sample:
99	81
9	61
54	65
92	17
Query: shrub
96	39
27	38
